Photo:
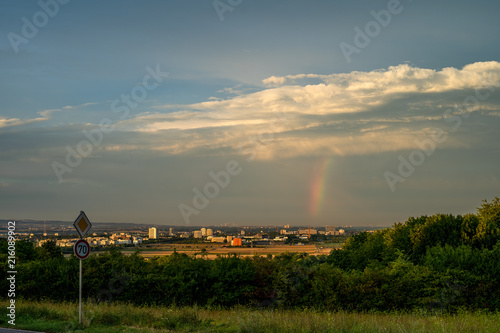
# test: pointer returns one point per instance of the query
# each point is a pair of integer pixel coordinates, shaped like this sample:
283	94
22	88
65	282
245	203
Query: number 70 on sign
81	249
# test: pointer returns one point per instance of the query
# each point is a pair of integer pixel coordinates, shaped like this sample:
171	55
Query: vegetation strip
63	317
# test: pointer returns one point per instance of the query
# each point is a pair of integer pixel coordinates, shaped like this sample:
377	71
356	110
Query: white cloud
48	113
342	114
10	122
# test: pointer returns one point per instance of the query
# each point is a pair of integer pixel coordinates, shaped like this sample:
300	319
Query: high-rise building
203	231
197	234
210	232
171	231
153	233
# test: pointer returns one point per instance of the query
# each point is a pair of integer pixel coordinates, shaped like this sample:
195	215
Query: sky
246	112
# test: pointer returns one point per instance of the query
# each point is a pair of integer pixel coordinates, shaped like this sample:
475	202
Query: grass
63	317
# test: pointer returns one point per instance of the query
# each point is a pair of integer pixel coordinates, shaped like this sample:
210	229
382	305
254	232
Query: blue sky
267	87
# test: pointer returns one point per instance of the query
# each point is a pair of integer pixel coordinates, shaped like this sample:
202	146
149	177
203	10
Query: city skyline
248	113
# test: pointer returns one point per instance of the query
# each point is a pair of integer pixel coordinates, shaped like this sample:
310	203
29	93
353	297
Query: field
212	250
57	317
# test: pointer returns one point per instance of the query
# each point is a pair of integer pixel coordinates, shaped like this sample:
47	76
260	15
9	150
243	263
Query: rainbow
317	186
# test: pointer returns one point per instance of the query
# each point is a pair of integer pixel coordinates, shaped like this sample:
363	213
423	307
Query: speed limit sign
81	249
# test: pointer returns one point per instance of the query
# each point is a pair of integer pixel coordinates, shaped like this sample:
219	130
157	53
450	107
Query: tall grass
63	317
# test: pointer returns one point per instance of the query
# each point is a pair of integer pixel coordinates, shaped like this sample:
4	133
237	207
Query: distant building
306	231
203	232
341	231
229	239
153	233
210	232
262	242
236	242
171	231
197	234
122	241
218	239
243	232
330	228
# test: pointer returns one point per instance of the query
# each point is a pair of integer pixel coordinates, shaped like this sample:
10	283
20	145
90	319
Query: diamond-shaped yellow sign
82	224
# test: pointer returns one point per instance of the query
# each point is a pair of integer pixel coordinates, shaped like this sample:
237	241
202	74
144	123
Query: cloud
45	115
274	81
48	113
355	113
11	122
340	114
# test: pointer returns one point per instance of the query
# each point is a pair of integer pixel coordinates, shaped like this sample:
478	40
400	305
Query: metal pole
80	311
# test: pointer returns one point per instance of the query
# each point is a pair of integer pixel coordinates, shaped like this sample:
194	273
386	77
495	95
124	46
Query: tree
469	228
25	250
438	229
49	250
488	229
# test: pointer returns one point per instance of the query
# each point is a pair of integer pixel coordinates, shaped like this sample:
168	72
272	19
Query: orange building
236	242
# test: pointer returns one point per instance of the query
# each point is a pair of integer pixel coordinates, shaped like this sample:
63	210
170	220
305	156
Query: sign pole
82	251
80	307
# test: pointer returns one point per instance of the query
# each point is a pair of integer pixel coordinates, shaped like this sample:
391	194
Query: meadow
120	317
213	250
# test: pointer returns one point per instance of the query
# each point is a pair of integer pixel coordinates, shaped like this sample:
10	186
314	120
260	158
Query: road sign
82	224
81	249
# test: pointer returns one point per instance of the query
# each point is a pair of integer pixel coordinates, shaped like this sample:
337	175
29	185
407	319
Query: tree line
441	262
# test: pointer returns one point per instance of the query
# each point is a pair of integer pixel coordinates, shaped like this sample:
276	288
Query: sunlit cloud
343	114
11	122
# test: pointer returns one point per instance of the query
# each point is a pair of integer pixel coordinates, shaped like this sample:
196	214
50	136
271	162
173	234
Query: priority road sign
81	249
82	224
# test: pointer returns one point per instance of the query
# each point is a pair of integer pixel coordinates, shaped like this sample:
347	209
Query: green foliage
469	228
49	250
438	263
438	229
488	229
100	318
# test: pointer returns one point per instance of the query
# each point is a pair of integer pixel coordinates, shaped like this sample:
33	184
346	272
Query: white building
219	239
203	232
153	233
308	231
123	241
